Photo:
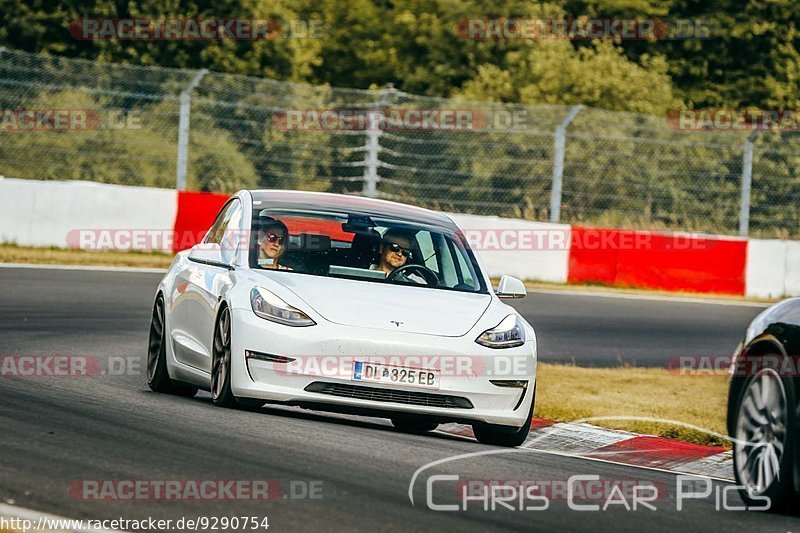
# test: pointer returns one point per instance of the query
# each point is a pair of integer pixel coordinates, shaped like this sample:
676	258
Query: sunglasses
396	248
271	237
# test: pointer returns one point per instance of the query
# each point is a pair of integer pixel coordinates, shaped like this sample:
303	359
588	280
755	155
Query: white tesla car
349	304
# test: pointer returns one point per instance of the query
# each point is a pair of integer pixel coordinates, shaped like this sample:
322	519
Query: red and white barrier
658	260
102	216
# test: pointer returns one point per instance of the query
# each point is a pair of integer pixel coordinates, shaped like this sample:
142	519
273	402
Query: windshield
363	247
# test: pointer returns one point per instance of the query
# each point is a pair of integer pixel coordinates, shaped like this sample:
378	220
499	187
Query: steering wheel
430	277
295	263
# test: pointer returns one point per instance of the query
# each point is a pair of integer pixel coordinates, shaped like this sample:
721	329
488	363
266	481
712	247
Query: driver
395	251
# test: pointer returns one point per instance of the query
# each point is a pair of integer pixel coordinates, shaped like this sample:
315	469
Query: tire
221	393
764	434
251	404
504	435
414	424
157	375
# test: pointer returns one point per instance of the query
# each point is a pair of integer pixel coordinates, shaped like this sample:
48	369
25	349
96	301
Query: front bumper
321	373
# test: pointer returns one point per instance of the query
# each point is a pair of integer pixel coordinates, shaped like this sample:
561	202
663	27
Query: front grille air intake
390	395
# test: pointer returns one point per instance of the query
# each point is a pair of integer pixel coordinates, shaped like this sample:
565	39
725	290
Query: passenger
272	238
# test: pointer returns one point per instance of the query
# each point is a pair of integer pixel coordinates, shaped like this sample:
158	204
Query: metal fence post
372	146
558	163
183	130
747	182
371	159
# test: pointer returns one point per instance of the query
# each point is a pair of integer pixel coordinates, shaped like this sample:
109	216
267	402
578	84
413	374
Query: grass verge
612	289
11	253
565	393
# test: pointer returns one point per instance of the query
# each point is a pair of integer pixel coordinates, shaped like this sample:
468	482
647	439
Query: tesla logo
396	323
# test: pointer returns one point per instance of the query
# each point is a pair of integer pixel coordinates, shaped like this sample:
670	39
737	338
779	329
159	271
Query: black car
763	409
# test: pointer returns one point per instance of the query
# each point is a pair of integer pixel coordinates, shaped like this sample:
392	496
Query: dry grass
565	393
10	253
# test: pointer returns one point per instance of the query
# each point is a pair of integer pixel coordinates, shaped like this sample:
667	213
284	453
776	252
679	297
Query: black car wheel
221	362
157	376
221	393
503	435
763	446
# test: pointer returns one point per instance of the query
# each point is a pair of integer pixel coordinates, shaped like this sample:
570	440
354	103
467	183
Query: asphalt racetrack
56	433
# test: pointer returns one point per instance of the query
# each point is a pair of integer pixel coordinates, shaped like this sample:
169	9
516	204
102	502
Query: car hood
382	305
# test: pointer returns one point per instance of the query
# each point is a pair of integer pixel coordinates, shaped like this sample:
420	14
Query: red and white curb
621	447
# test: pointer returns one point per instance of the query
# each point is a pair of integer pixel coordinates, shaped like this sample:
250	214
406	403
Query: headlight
507	334
269	306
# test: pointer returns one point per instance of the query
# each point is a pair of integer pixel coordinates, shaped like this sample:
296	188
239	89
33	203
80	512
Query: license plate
395	375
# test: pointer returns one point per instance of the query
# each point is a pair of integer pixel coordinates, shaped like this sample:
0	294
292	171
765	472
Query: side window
448	273
225	232
231	236
466	269
215	232
426	248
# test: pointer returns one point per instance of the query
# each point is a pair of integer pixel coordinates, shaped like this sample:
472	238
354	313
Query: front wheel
763	449
504	435
221	393
157	376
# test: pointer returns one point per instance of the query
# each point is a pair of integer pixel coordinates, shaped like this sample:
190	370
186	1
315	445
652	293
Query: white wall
519	248
54	213
792	286
773	268
766	268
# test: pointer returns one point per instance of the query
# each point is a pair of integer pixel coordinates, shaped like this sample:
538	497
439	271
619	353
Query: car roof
304	200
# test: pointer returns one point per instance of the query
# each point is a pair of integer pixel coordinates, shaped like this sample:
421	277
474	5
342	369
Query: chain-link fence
208	131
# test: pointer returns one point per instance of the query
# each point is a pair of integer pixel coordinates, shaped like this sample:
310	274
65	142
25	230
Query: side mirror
511	287
207	253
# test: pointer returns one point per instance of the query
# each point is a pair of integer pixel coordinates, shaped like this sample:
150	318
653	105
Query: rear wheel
763	449
413	424
157	376
505	435
221	393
